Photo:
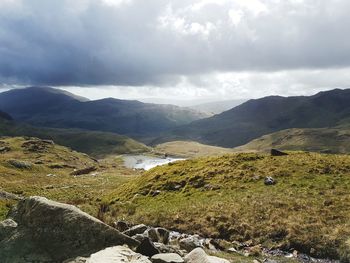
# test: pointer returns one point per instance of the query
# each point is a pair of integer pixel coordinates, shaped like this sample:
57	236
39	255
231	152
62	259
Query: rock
138	229
190	243
269	181
7	227
169	249
76	260
275	152
5	149
198	255
140	237
84	171
117	254
158	234
37	145
147	248
8	196
167	258
121	225
54	232
20	164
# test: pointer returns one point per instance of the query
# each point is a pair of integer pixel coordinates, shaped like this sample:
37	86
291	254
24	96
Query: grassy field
308	209
327	140
84	191
189	149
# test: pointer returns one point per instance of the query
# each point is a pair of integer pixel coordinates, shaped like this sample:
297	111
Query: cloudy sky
183	49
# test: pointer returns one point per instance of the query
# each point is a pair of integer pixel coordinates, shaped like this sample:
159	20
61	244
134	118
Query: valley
252	204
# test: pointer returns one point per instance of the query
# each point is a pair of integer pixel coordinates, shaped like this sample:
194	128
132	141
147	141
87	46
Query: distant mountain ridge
56	108
258	117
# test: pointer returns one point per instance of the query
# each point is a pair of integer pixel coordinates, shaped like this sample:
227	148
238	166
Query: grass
189	149
84	191
330	140
225	197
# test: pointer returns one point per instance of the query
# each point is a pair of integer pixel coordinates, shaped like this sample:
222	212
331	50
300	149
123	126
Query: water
147	162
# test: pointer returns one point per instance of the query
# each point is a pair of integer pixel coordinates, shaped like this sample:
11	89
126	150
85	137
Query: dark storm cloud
154	42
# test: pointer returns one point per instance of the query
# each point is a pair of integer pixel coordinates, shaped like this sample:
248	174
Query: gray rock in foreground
167	258
50	231
117	254
198	255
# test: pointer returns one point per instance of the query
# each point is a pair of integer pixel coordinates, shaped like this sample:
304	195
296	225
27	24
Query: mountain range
48	107
258	117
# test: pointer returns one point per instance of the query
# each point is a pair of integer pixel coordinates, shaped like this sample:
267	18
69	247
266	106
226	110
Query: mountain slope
330	140
55	108
306	210
263	116
94	143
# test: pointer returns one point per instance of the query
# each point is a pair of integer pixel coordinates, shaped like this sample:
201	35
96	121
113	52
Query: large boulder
198	255
51	231
167	258
117	254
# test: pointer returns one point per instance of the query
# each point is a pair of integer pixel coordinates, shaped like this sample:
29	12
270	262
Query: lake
147	162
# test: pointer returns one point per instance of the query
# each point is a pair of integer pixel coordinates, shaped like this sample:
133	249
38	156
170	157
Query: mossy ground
308	209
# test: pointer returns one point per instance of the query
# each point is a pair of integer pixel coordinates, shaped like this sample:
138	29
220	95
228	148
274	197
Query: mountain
326	140
5	116
217	107
258	117
95	143
50	107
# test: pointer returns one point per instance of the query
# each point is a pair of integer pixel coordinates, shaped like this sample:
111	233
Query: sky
205	50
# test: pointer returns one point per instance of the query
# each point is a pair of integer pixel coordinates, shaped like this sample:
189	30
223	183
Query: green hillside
308	208
97	144
189	149
330	140
259	117
30	166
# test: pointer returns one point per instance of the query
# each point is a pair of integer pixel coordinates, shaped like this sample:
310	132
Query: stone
167	258
198	255
138	229
158	234
190	243
147	248
140	237
8	196
275	152
76	260
269	181
51	231
117	254
83	171
121	225
20	164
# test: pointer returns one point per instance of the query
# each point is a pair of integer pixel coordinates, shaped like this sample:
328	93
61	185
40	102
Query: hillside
49	107
330	140
259	117
189	149
30	166
94	143
307	209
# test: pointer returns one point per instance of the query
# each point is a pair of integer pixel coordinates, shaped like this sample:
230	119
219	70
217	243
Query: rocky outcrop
167	258
49	231
198	255
275	152
117	254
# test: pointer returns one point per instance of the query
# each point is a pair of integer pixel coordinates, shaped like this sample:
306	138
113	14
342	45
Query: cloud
160	42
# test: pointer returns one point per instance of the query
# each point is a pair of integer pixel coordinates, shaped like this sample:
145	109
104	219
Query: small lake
147	162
